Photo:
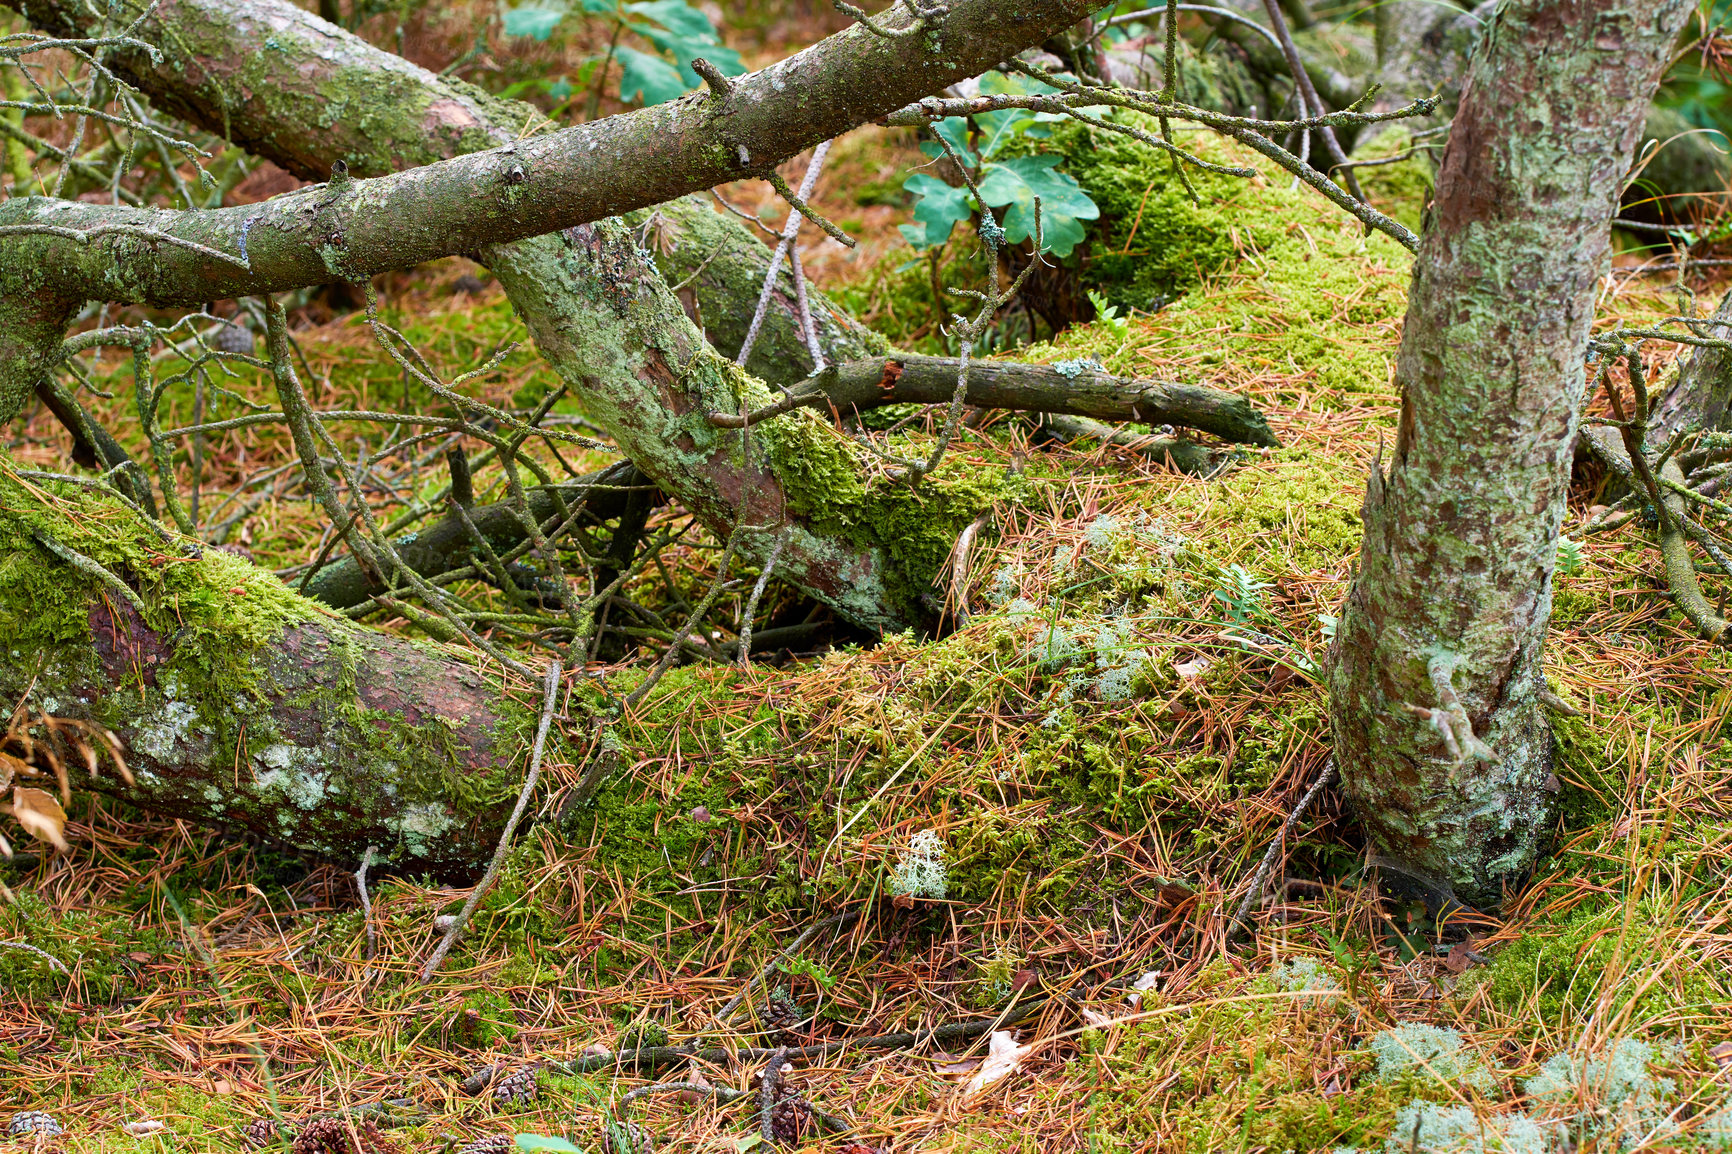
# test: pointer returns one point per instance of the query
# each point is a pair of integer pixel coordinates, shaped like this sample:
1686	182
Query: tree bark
1440	736
351	229
1070	389
868	573
241	705
1701	397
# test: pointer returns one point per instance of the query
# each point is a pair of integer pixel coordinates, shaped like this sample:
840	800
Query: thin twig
550	697
43	954
366	901
752	602
726	1014
1269	858
790	229
769	1084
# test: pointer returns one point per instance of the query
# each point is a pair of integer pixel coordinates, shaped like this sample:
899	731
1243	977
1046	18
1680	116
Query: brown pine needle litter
1041	824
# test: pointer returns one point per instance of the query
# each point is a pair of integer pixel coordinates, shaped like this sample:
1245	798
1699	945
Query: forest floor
1071	790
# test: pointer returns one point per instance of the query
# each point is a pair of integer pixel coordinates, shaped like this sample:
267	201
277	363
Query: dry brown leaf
40	815
953	1067
1003	1056
11	767
1458	960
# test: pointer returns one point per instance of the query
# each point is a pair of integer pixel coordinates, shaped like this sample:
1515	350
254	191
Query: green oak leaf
938	210
536	21
1015	184
647	77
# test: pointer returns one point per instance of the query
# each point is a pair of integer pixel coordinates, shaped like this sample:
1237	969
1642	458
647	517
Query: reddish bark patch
129	649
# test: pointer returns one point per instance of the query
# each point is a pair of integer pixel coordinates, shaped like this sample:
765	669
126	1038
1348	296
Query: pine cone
624	1138
492	1144
791	1119
780	1017
331	1136
32	1122
262	1132
234	338
517	1088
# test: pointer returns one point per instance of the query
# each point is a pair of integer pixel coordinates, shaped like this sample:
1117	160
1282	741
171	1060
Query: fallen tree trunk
865	564
448	544
239	704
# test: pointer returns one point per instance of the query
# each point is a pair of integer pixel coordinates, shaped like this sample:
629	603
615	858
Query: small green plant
1107	315
1571	559
804	967
533	1142
1012	184
654	42
1242	594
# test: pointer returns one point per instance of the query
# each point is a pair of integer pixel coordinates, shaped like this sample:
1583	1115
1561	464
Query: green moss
1250	1088
1399	190
1605	958
1269	280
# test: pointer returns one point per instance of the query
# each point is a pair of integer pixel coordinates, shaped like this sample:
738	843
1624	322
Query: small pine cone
234	338
332	1136
781	1015
791	1119
262	1132
624	1138
32	1122
517	1088
492	1144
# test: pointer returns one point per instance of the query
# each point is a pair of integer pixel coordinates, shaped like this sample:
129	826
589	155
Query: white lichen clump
920	871
1419	1049
1457	1129
1615	1093
1302	975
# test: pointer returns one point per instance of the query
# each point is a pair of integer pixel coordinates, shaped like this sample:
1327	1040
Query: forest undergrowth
1045	818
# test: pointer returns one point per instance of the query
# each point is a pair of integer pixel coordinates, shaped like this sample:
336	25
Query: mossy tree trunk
281	81
240	704
1441	737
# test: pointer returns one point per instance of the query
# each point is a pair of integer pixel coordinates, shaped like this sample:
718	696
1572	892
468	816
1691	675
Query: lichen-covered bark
238	704
720	266
609	322
1444	626
1070	388
353	229
1701	398
285	85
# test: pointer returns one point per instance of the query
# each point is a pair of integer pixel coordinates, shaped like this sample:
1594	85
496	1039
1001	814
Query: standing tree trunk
1436	684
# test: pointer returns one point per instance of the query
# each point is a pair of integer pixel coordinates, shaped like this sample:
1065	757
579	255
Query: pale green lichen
1426	1051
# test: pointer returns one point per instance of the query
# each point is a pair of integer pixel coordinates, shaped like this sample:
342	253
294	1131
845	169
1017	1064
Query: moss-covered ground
1103	748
